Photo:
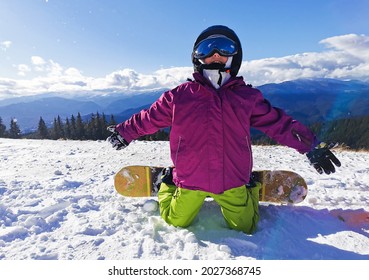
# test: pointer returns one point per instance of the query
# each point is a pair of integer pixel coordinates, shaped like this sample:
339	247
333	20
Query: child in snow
210	119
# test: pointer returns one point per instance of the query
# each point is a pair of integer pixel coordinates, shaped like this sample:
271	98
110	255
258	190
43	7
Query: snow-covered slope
57	201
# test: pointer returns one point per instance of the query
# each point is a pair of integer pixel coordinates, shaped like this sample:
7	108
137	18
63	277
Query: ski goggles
207	47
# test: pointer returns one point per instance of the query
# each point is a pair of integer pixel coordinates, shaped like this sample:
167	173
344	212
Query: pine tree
54	131
57	129
14	131
90	128
102	126
42	131
73	128
112	120
98	127
2	128
60	127
67	129
80	129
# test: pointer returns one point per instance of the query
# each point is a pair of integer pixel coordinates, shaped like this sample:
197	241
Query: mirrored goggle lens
224	46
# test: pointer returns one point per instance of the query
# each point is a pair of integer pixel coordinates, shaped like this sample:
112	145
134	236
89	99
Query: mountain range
319	100
28	110
308	100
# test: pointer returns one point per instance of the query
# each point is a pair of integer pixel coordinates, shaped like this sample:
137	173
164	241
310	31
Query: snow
57	201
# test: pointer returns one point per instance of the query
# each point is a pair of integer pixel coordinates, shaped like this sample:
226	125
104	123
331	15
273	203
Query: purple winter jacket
210	131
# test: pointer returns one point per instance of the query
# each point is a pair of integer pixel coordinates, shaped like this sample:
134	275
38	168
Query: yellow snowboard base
278	186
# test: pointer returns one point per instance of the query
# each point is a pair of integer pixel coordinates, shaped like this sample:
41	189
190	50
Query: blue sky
95	38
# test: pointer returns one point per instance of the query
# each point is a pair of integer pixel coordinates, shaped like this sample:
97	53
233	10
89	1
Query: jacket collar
231	82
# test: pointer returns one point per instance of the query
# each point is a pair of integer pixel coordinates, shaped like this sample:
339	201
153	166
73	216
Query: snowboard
277	186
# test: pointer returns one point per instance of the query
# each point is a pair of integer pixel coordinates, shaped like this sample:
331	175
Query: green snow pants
240	206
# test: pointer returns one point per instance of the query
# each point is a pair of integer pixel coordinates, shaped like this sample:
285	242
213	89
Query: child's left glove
322	159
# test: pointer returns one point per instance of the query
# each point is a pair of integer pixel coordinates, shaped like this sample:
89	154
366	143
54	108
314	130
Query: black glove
322	158
116	140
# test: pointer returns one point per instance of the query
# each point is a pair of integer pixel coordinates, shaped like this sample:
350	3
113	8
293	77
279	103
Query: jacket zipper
250	156
179	144
301	138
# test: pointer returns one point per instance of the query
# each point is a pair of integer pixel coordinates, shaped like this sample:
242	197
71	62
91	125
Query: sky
92	45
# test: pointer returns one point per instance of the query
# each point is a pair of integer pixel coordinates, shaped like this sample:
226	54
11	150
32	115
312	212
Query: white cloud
23	69
38	63
130	80
356	45
5	45
346	57
40	66
37	60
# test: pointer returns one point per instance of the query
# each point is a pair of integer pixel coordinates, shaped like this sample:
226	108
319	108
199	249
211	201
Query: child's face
215	58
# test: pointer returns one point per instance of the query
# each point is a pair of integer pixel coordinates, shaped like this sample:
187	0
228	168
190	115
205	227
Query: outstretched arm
149	121
285	130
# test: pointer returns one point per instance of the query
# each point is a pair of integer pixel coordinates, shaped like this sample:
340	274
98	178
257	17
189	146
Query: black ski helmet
219	30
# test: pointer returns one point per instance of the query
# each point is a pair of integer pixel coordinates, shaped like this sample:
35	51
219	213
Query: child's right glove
322	158
115	139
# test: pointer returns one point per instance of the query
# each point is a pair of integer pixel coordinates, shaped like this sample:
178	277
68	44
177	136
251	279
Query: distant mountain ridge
308	100
317	100
29	110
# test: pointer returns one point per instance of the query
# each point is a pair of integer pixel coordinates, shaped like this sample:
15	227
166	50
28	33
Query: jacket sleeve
148	121
281	127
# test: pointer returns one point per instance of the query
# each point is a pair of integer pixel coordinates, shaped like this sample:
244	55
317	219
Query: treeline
73	128
352	133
